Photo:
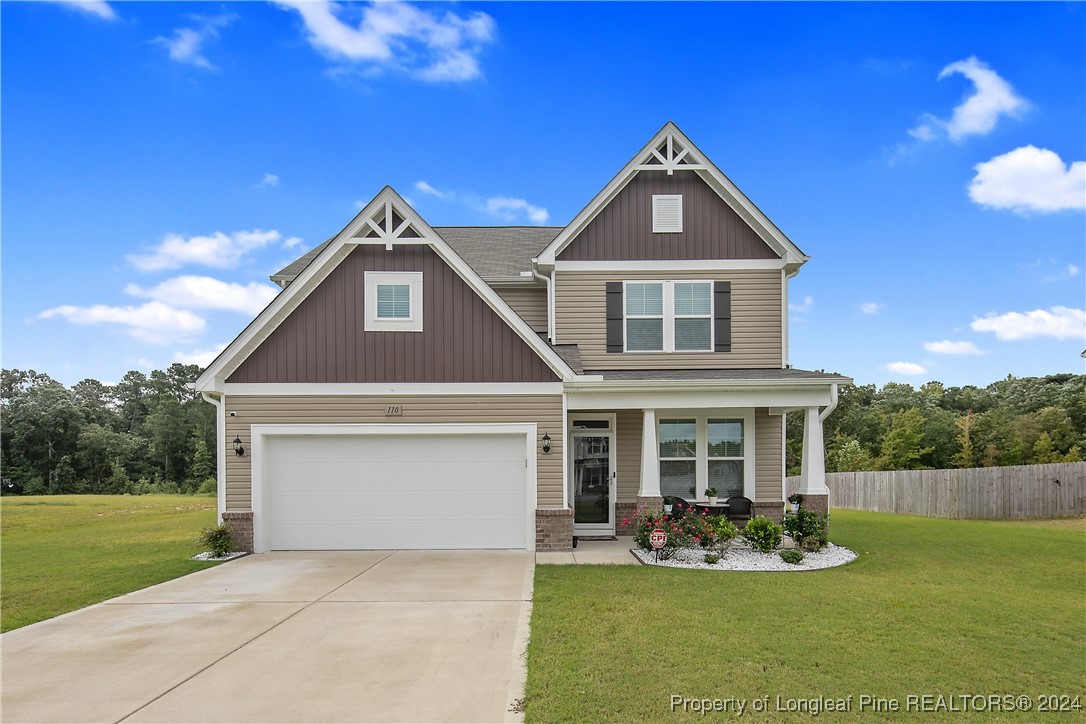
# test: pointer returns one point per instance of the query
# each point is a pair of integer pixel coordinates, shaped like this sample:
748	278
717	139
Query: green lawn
930	607
63	552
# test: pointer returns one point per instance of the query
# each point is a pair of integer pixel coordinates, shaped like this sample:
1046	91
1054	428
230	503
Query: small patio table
713	509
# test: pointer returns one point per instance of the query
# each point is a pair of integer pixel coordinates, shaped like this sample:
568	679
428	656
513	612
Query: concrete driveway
346	636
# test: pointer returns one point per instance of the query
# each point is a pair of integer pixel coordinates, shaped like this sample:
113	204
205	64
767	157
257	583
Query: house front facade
513	387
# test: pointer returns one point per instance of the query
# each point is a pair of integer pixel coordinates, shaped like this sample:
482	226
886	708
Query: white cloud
201	358
947	346
219	250
976	115
1029	179
431	45
508	209
292	242
186	45
808	303
871	307
428	189
194	292
94	7
906	368
1059	322
152	322
1073	271
270	180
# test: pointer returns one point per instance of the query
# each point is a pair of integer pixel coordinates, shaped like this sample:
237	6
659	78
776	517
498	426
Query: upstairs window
393	301
668	316
667	213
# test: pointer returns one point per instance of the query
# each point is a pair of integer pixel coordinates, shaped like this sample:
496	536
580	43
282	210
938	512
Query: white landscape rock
744	559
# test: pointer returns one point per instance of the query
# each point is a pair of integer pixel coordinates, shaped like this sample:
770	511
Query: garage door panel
380	492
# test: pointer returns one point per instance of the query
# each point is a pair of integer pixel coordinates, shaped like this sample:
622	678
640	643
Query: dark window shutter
722	316
614	317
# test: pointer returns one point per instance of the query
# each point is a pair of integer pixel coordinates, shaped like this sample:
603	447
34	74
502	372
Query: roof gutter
597	384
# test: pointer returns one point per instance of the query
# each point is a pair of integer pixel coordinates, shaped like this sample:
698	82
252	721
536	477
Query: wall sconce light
546	443
238	449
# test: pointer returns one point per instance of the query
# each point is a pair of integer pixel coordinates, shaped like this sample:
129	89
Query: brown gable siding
623	229
463	339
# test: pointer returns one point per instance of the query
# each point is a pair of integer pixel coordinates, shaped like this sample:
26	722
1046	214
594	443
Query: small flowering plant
795	499
649	520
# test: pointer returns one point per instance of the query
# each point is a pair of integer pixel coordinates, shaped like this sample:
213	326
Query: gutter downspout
830	407
549	283
220	457
784	315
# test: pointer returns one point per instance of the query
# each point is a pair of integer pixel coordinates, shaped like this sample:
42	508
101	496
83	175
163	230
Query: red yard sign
658	538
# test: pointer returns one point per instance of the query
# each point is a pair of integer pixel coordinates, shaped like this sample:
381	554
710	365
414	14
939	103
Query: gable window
393	302
667	213
668	316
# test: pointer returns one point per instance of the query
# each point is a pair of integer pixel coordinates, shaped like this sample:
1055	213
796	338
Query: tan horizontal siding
628	462
529	302
544	410
581	319
768	461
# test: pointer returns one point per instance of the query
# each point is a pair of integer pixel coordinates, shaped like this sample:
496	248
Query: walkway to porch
593	551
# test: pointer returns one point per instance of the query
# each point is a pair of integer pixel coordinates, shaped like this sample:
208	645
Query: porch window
726	459
678	457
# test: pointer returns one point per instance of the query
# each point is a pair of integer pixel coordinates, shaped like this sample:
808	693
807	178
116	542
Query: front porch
628	446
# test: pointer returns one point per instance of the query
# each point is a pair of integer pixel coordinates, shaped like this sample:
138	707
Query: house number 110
393	410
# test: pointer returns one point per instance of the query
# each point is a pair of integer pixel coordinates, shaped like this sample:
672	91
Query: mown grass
62	552
930	607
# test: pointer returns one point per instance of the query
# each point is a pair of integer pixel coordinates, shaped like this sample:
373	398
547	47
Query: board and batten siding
623	229
529	302
544	410
462	340
768	457
756	297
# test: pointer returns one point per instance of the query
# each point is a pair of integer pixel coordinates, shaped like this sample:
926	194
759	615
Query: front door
593	483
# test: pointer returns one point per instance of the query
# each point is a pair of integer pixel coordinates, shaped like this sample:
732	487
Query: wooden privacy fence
1020	491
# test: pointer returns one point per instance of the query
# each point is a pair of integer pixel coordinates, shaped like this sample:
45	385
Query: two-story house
513	387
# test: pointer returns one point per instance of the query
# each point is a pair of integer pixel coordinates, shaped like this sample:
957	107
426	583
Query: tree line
146	434
152	433
1015	421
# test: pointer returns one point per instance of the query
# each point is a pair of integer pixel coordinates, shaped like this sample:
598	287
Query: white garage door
395	491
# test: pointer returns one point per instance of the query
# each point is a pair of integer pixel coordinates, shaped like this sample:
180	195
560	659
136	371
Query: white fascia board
414	389
213	378
697	399
673	265
708	171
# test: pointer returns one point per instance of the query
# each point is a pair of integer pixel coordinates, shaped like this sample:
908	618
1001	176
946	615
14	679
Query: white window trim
656	228
669	317
701	466
410	324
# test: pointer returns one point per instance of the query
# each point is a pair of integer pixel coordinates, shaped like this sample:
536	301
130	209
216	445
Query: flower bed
742	559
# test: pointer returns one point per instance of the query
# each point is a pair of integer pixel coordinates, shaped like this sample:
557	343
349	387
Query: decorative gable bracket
386	225
671	155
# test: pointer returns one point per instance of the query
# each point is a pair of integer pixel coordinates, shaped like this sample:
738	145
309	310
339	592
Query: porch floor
615	552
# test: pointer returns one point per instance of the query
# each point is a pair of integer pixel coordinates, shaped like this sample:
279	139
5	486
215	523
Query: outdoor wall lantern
546	443
238	449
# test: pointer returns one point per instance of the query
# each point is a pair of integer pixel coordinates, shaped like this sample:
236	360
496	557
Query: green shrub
723	533
792	556
208	487
807	529
219	539
762	534
711	558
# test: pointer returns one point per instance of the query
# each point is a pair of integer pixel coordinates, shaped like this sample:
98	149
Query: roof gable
387	221
670	152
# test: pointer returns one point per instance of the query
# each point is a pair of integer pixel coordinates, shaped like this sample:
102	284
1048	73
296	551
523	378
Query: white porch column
650	460
812	479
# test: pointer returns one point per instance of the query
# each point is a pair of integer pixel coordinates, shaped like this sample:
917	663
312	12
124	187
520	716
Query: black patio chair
739	509
679	507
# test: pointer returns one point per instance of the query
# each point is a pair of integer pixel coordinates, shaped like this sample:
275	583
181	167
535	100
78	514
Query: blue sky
159	160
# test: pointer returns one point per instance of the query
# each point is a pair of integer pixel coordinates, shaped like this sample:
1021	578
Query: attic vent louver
667	214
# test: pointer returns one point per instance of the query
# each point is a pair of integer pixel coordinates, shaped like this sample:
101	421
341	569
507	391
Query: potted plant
710	493
795	500
668	502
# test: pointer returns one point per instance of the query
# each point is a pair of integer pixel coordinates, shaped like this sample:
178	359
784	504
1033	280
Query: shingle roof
571	355
739	374
492	251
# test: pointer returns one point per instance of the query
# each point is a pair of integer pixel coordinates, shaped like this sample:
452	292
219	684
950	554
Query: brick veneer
625	511
816	503
652	502
772	509
554	529
241	525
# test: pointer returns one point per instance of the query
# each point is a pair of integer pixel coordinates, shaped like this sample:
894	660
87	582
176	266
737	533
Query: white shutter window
667	214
